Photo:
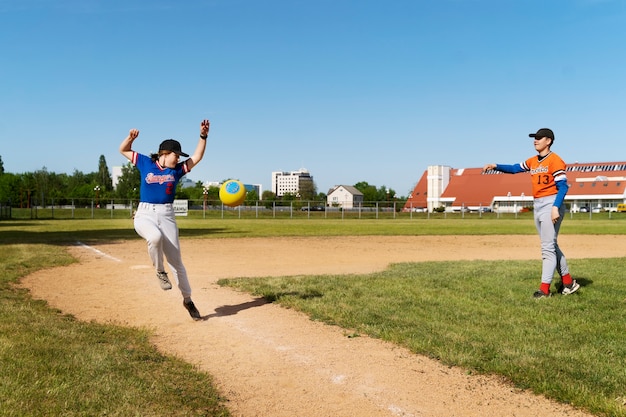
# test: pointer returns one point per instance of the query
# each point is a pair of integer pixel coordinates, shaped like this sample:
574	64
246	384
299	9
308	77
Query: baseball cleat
571	289
164	281
193	311
541	294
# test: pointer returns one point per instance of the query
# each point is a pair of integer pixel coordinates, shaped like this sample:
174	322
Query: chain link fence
124	209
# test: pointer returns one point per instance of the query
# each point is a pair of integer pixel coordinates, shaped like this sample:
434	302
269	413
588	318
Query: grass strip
69	231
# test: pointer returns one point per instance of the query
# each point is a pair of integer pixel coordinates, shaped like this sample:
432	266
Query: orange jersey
545	172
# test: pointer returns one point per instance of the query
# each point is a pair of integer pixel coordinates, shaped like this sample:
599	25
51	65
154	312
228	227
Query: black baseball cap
172	146
541	133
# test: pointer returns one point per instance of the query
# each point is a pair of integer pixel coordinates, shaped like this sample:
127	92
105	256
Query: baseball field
312	318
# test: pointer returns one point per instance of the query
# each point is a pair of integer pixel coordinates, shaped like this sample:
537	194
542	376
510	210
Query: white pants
157	225
553	258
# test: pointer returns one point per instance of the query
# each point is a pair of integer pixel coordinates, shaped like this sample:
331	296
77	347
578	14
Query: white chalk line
99	252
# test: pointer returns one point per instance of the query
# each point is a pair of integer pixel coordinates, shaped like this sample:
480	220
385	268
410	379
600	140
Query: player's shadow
583	282
230	310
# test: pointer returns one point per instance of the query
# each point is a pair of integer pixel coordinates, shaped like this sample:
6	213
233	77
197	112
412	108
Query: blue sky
352	90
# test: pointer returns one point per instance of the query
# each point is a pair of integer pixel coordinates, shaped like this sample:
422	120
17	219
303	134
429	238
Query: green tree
58	185
213	193
370	193
28	189
79	185
104	180
128	184
1	166
42	185
269	195
268	198
289	197
10	188
252	196
307	190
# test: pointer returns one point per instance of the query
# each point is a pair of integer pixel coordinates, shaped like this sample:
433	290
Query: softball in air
232	193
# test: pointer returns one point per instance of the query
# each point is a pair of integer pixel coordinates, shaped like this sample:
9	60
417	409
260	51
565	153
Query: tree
129	182
213	193
307	190
252	196
370	193
42	185
10	188
1	166
269	197
104	179
57	191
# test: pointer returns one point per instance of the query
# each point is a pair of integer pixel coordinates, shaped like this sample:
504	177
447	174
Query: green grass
479	315
54	365
69	231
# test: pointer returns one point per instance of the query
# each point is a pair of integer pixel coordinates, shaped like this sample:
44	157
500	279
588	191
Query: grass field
55	365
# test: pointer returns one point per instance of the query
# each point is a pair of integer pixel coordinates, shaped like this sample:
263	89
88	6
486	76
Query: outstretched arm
199	152
126	145
509	169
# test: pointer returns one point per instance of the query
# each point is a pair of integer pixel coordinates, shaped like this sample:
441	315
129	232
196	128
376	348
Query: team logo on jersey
159	179
539	170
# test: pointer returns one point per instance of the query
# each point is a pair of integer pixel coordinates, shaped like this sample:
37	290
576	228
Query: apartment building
290	182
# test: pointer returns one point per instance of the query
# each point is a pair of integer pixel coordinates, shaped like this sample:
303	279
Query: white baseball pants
156	223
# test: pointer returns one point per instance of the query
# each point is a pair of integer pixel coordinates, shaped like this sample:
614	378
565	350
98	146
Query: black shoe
541	294
193	311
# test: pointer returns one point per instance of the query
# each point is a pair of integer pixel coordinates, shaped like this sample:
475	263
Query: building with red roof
593	186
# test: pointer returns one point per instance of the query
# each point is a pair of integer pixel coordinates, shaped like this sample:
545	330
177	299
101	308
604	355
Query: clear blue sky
352	90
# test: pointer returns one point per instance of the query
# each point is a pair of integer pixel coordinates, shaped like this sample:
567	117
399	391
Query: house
344	196
592	186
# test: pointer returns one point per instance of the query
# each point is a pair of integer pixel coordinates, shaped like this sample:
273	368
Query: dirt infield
269	361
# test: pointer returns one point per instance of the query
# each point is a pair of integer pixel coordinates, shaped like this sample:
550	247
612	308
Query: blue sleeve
561	187
510	169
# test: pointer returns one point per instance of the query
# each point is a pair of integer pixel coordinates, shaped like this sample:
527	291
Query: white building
289	182
345	196
116	173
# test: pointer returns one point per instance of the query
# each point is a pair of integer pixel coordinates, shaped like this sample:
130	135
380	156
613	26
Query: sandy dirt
270	361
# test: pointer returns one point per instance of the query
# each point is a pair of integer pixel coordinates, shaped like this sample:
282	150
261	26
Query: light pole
97	190
205	193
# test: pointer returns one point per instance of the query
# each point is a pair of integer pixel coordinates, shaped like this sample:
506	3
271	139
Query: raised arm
199	152
126	145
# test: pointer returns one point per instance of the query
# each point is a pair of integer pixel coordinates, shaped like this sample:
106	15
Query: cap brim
182	154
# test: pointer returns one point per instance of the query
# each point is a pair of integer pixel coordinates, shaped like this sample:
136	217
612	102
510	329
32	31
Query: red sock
545	288
567	279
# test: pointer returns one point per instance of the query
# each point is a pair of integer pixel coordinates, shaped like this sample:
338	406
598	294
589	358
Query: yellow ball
232	193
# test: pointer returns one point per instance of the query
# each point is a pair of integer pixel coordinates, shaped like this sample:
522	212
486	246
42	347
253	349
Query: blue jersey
158	184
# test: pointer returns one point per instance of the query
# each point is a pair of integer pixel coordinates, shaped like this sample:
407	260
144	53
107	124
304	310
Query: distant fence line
125	208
